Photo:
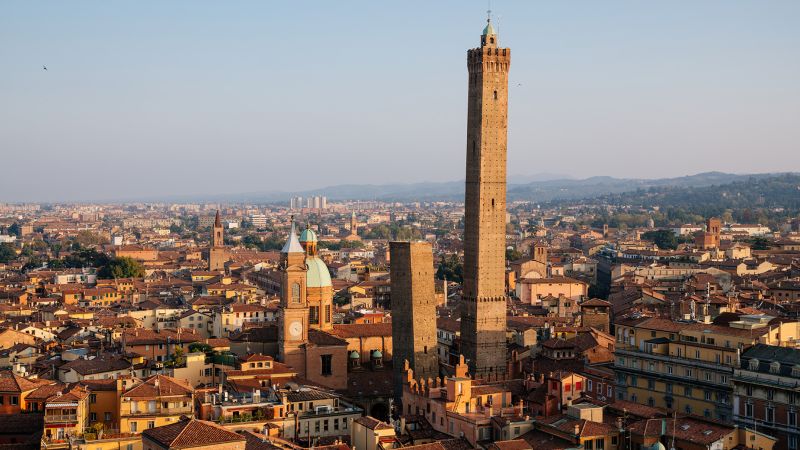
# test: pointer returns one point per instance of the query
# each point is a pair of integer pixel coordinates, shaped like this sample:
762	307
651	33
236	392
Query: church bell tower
293	325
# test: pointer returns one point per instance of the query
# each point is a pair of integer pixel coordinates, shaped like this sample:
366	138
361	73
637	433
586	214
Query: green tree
664	239
15	229
350	244
122	267
450	269
200	347
759	243
86	238
513	254
7	253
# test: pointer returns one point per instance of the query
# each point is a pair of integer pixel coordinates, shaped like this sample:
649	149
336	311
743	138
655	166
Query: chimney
577	429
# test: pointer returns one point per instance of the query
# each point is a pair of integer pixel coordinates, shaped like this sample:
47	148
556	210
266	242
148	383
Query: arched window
296	293
495	95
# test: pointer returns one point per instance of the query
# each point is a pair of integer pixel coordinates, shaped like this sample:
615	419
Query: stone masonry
483	320
413	311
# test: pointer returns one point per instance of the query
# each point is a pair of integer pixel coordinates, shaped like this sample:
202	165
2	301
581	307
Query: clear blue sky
190	97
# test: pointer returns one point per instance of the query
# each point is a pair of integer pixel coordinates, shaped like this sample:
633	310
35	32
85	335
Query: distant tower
217	237
217	254
353	225
413	311
710	237
483	319
293	324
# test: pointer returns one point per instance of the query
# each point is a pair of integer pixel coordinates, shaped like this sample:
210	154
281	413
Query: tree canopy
7	253
122	267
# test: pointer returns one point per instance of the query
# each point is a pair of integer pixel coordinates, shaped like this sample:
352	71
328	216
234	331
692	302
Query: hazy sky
150	97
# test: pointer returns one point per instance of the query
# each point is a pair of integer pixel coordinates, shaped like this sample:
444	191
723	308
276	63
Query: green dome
318	274
377	354
489	29
308	235
354	355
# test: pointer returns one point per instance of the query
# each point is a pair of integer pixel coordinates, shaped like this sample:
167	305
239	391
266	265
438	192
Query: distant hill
775	193
545	189
536	191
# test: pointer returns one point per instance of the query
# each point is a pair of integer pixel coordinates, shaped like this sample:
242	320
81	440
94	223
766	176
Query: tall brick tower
217	253
483	318
413	312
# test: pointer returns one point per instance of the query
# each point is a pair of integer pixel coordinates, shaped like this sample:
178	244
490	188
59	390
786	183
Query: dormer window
753	364
796	371
775	367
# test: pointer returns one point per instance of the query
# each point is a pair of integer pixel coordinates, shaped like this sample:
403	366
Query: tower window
296	293
492	203
495	95
491	40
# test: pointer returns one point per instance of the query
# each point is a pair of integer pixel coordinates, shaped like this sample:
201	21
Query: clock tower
293	325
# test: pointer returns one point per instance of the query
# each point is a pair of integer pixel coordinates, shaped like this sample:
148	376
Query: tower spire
292	244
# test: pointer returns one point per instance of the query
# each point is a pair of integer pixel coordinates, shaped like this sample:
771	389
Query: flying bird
44	67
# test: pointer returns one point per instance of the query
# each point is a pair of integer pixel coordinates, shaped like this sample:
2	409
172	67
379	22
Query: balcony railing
769	379
674	359
162	411
52	443
60	418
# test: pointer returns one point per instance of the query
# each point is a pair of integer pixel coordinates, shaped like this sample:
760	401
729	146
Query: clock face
296	329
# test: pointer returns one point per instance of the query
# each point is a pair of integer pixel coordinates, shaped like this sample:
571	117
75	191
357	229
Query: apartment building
684	366
766	393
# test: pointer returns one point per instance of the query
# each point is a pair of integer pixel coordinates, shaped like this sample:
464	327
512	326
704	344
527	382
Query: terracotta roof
11	382
372	423
516	444
190	433
46	391
684	428
158	386
354	330
108	384
319	337
143	336
595	302
585	427
253	357
97	365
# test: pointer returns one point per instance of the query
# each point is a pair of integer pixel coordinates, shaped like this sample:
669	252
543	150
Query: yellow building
685	366
157	401
65	414
104	401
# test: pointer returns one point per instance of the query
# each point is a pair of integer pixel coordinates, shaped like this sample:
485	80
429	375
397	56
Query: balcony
679	380
52	443
162	411
766	379
60	418
686	361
